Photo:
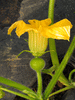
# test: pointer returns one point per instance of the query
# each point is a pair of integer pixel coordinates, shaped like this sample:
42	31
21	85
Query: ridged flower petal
21	28
59	30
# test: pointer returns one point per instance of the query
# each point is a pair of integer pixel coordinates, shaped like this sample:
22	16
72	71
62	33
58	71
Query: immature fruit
37	64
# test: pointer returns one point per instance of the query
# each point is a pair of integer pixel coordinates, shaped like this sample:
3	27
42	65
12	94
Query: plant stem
22	52
52	45
18	86
53	52
61	90
62	78
70	75
39	90
51	10
59	70
16	93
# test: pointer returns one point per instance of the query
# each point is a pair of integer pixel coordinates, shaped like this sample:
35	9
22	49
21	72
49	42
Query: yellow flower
40	31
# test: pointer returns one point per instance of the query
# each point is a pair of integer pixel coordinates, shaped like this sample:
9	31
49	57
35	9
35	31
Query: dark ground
7	17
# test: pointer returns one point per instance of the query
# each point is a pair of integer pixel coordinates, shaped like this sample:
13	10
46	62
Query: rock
69	95
33	9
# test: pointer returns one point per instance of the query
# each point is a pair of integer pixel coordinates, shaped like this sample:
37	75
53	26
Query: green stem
61	90
59	70
53	52
49	71
22	52
52	45
62	79
16	93
70	75
18	86
51	10
39	90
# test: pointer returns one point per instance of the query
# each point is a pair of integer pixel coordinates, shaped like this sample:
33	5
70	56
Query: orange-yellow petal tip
20	27
13	26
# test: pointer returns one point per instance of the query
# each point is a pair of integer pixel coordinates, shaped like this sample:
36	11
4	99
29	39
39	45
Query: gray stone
69	95
33	9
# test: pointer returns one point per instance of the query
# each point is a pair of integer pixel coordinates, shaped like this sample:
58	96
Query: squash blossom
39	31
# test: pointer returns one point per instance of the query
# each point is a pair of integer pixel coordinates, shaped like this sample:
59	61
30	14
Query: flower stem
39	91
61	90
52	46
51	10
53	52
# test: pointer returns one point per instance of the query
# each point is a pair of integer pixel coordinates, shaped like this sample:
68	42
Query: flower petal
18	24
59	30
13	26
45	22
34	23
21	28
37	23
